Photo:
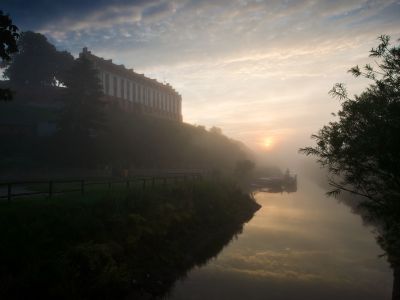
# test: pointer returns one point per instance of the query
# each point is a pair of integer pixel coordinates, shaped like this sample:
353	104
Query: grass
113	243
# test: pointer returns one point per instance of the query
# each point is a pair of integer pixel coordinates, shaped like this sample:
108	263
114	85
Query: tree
82	117
216	130
38	62
8	45
244	167
361	149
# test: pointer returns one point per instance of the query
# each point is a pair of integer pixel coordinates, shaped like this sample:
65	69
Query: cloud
169	32
40	13
158	11
247	66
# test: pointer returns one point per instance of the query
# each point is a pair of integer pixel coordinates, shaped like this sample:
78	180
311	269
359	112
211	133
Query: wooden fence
9	190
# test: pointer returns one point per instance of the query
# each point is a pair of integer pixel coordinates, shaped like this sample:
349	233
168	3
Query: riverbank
116	244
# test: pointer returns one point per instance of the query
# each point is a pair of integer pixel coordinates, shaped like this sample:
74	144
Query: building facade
135	92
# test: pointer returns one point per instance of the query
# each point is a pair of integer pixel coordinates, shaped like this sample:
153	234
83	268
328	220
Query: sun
268	142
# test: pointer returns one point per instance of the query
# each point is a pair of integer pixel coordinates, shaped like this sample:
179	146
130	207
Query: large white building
135	92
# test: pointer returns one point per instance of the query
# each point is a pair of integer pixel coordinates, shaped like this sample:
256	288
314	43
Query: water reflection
298	246
161	266
387	235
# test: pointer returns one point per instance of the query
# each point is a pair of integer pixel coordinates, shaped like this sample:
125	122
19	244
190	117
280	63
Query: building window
167	104
122	86
175	105
107	84
115	83
136	89
163	102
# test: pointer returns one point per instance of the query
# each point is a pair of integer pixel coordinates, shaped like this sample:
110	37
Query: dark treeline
57	120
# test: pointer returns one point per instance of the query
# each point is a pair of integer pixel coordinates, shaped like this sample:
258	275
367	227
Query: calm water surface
301	245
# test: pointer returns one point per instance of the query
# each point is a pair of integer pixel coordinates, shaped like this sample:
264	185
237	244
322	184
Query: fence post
153	181
127	184
109	185
50	188
82	187
9	192
144	183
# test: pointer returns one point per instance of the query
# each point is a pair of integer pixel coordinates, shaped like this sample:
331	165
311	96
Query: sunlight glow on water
297	246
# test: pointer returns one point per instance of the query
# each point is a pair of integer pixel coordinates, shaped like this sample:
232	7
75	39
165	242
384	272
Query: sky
259	70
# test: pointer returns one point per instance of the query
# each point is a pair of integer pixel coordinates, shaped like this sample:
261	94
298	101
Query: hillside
127	141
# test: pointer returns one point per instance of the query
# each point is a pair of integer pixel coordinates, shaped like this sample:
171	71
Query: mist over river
300	245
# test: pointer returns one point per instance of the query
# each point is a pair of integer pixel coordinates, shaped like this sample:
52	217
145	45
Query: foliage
128	141
38	63
361	149
116	243
216	130
138	141
244	167
82	116
9	36
8	45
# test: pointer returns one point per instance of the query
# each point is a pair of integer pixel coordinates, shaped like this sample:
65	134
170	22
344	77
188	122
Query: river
299	245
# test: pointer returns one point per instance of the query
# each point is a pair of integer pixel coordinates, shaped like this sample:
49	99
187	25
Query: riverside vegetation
116	245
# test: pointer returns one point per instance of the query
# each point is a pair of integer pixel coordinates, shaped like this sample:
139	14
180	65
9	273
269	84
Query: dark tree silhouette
361	149
38	62
8	45
82	117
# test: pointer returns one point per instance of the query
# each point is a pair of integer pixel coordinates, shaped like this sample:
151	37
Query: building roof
121	70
